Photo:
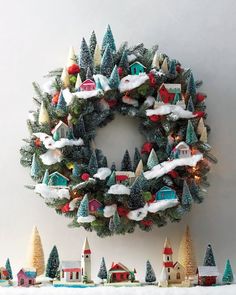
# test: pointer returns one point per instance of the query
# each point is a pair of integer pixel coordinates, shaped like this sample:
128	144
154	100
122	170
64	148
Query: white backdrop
35	37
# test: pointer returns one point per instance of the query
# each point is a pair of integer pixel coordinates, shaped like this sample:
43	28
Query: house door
22	282
30	282
114	277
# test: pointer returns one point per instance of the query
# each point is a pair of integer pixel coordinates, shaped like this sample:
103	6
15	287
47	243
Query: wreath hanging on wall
167	174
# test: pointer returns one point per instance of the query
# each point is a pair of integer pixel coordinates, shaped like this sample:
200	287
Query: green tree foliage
124	63
114	79
191	86
75	171
195	192
187	199
84	207
209	259
116	220
113	166
89	74
53	263
135	200
102	274
108	39
137	158
112	179
142	182
152	159
111	225
85	59
172	68
92	43
93	164
191	136
126	164
9	270
107	63
35	167
150	276
46	177
190	106
79	128
228	276
61	105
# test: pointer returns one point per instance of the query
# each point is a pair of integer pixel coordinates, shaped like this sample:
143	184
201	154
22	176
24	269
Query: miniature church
175	271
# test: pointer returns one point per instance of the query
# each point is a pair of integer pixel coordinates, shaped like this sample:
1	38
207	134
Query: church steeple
86	260
167	254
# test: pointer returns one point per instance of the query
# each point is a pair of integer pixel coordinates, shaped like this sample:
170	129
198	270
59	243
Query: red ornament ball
65	208
73	70
147	147
120	71
37	142
122	211
85	176
178	69
55	98
147	222
200	97
155	118
199	114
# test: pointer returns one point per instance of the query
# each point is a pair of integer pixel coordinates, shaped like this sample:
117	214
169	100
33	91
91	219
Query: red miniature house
167	92
119	273
207	275
87	85
94	205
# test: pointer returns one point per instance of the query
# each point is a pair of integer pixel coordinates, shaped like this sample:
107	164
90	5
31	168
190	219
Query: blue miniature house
57	179
136	68
165	193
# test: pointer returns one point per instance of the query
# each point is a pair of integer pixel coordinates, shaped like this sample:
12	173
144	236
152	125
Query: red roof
87	251
168	264
121	177
71	269
167	251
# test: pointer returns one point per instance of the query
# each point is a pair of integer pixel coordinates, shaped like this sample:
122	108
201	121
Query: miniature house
125	176
207	275
61	130
175	271
70	271
94	205
57	179
26	277
87	85
119	273
3	273
182	150
167	92
136	68
166	193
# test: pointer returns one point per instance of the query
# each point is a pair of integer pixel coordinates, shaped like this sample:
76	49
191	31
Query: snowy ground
150	290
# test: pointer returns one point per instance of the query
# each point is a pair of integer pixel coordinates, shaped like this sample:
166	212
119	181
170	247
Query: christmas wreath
167	174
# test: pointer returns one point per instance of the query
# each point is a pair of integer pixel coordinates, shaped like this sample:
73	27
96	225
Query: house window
168	269
121	276
134	70
92	208
62	274
62	132
77	275
87	256
168	277
178	276
82	271
71	275
168	258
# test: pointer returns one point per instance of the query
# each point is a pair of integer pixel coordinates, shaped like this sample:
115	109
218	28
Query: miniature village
77	273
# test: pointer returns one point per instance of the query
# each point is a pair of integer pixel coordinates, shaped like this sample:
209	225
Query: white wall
34	38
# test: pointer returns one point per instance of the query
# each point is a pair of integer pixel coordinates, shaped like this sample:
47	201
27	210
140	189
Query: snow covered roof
70	264
181	145
121	266
30	272
172	88
58	174
208	271
58	126
132	81
137	62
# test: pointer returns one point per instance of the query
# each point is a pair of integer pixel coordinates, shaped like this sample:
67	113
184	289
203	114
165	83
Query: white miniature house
182	150
61	129
70	271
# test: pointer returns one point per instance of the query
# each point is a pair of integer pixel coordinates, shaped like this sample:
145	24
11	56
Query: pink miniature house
26	277
87	85
94	205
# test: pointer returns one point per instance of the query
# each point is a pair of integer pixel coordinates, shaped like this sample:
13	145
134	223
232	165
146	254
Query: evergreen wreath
168	173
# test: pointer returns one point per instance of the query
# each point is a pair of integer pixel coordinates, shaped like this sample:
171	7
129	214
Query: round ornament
167	174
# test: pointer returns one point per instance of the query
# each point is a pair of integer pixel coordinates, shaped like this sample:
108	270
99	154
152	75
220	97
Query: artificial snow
162	205
132	81
167	166
51	157
149	101
49	87
51	144
119	189
109	210
102	173
106	290
84	183
176	110
130	101
138	214
51	193
72	204
86	219
103	81
68	96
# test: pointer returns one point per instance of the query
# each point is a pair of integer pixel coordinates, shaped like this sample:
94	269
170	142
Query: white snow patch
84	183
138	214
50	193
73	203
167	166
31	116
132	81
68	96
51	144
109	210
119	189
149	101
49	87
130	101
86	219
103	80
51	157
131	58
102	173
162	205
176	110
